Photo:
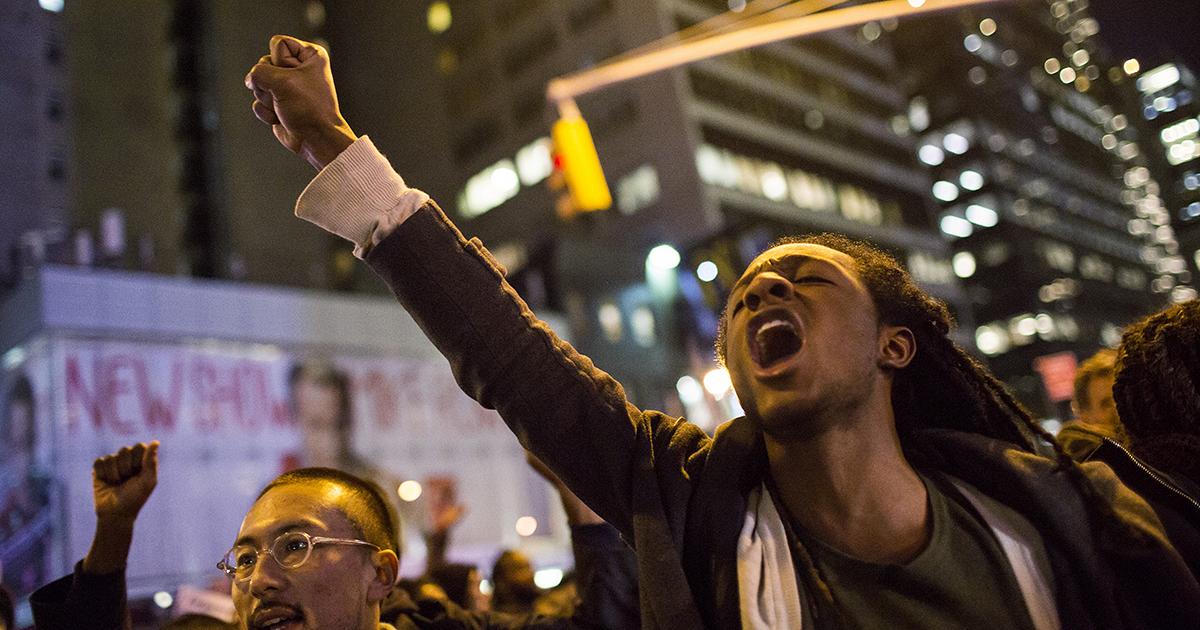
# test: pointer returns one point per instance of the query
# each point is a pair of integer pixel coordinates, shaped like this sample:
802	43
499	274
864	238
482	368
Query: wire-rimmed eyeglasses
290	550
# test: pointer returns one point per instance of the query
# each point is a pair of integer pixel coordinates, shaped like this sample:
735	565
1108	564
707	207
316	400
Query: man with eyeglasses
317	550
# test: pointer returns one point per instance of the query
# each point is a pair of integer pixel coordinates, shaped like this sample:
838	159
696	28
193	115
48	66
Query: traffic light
575	157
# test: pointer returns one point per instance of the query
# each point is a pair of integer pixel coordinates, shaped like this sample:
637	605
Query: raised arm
617	458
94	596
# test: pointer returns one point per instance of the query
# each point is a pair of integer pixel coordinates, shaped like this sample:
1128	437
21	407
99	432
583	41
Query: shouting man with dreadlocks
880	478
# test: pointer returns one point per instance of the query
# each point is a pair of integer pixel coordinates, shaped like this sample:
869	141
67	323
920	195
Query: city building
146	153
1044	185
1003	165
35	142
1171	115
707	164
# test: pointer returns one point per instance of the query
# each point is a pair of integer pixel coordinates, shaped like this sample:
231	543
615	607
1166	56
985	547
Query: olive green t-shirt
962	579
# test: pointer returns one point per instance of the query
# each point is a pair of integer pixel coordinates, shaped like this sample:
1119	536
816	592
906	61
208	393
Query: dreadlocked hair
943	386
1157	387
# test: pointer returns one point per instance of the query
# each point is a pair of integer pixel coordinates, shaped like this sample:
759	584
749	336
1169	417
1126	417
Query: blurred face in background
1100	409
318	407
514	575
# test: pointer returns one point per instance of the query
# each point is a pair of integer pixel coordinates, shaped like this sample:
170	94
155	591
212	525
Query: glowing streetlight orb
717	382
438	17
663	257
526	526
409	491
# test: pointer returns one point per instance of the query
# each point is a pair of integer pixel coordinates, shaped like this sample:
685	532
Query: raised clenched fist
123	481
294	93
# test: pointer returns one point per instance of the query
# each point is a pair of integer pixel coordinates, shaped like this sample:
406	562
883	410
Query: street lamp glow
956	143
717	382
163	599
945	191
409	491
438	17
663	257
956	226
963	264
970	179
526	526
707	271
990	341
548	578
1131	67
987	26
689	389
931	155
982	216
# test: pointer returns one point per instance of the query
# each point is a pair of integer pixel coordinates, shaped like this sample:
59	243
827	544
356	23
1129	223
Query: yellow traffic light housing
575	157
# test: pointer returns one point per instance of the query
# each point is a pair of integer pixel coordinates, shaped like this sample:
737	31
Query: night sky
1152	31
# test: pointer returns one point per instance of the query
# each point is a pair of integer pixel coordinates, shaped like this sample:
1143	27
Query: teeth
775	323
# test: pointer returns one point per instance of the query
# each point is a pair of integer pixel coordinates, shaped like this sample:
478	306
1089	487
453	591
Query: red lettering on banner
235	394
161	414
114	383
79	396
208	416
129	392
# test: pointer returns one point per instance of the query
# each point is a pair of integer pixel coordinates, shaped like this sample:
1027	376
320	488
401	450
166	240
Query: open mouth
774	338
277	618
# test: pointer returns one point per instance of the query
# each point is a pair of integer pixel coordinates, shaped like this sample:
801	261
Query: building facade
1044	185
36	165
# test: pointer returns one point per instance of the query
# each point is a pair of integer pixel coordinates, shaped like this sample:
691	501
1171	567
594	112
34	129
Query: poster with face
25	509
230	417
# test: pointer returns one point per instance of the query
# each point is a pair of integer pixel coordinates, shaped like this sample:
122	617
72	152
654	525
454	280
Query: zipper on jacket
1153	475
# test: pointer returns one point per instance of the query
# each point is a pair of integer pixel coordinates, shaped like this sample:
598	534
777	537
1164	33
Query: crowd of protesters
881	476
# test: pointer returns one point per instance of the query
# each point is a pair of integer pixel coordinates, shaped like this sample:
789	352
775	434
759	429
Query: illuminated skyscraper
1042	177
713	160
1171	113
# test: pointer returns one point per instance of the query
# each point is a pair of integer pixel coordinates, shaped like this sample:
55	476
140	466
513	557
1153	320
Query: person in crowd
513	589
880	478
1157	393
1095	412
1157	390
25	512
610	576
461	584
94	596
316	550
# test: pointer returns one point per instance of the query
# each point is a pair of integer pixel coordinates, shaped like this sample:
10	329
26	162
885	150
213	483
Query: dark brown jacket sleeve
82	600
572	415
